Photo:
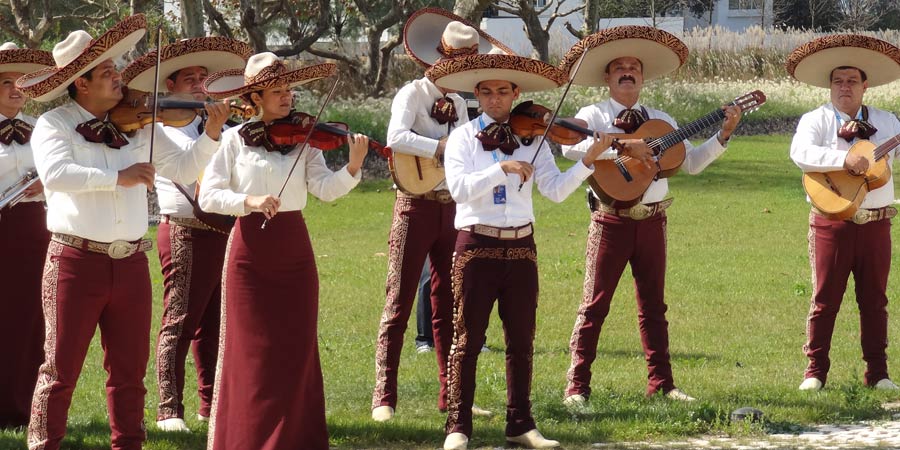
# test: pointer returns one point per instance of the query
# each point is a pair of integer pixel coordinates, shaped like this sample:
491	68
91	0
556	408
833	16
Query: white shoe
476	411
532	439
202	418
813	384
382	413
173	424
424	348
885	384
485	349
456	441
678	394
575	401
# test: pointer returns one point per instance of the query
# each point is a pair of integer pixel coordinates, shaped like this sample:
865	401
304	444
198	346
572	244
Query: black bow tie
99	131
853	129
15	130
629	120
444	111
498	135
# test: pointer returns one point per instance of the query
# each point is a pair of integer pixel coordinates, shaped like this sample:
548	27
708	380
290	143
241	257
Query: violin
529	120
177	110
293	130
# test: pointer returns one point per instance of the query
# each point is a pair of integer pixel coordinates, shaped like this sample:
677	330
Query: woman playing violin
270	300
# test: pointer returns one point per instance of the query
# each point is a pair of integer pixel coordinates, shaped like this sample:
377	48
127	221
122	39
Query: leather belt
504	234
189	222
441	196
640	211
116	249
864	216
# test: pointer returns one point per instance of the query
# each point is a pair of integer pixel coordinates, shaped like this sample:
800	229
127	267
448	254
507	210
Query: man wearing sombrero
191	252
96	181
847	65
490	176
623	58
23	242
422	115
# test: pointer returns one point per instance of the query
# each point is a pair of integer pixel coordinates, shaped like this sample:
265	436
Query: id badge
500	194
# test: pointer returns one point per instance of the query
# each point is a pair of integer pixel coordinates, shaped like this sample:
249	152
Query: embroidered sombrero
813	61
23	60
427	37
78	54
464	72
660	53
212	53
263	71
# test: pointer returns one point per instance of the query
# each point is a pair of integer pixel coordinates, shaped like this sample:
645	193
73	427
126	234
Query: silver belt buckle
120	249
507	234
640	211
863	216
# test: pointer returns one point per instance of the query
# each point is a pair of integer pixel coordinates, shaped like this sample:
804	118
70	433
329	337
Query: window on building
540	3
745	4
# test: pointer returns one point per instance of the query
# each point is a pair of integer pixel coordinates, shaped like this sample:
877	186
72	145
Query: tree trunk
471	10
192	19
591	17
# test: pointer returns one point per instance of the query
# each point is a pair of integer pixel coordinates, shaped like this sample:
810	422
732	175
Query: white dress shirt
171	201
16	160
411	129
80	177
601	116
816	146
473	173
238	170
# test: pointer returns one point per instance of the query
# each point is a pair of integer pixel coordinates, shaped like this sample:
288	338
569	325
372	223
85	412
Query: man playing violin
191	251
861	245
490	174
96	181
633	232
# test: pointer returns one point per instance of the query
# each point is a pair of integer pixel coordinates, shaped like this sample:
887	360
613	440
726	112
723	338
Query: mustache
627	78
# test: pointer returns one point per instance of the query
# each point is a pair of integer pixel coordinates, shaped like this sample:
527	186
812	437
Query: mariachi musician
96	181
23	240
191	247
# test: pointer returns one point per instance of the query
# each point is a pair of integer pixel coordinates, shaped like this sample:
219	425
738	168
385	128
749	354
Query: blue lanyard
494	152
840	121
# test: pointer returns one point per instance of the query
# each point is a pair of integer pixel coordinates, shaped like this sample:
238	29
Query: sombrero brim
230	83
660	53
213	53
463	73
422	35
49	83
24	60
813	61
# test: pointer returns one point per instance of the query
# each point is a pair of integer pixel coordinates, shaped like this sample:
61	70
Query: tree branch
578	34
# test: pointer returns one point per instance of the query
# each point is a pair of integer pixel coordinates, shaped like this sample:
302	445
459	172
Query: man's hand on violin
639	150
359	147
140	173
217	114
266	204
602	141
522	168
35	189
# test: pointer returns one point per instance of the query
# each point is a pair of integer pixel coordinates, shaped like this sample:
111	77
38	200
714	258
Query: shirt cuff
106	180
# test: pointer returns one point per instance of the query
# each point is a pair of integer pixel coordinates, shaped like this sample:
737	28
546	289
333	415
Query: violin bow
306	141
155	88
555	113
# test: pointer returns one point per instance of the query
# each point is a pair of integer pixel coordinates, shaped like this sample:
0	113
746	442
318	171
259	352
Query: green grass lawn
738	293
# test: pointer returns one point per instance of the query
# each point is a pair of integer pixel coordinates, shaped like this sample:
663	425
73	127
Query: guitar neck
661	144
886	147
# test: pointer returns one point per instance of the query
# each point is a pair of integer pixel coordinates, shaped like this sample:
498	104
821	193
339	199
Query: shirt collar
844	115
431	88
618	107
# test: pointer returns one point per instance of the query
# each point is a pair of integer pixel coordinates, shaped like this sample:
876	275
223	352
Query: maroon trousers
612	243
485	269
82	290
838	248
269	393
23	244
191	260
420	228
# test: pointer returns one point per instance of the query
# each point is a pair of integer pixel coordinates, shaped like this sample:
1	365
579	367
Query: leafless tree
591	19
858	14
471	10
29	21
538	33
192	19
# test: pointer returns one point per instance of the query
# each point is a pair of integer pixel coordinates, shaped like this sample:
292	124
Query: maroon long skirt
268	392
23	247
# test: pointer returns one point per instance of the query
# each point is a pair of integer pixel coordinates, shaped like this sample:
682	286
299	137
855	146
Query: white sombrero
212	53
23	60
263	71
813	61
660	53
464	72
428	36
78	54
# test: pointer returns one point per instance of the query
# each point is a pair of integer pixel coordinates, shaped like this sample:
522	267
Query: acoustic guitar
415	174
838	194
625	179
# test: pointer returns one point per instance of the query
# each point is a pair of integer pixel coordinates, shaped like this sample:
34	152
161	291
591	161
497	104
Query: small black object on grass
746	413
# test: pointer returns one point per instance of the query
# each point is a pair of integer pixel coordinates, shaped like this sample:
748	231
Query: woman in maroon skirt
23	243
268	392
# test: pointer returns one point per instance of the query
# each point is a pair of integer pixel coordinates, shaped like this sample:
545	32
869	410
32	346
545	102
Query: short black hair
862	73
73	91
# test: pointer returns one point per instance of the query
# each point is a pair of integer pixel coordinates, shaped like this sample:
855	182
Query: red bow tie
15	130
498	135
102	132
444	111
853	129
